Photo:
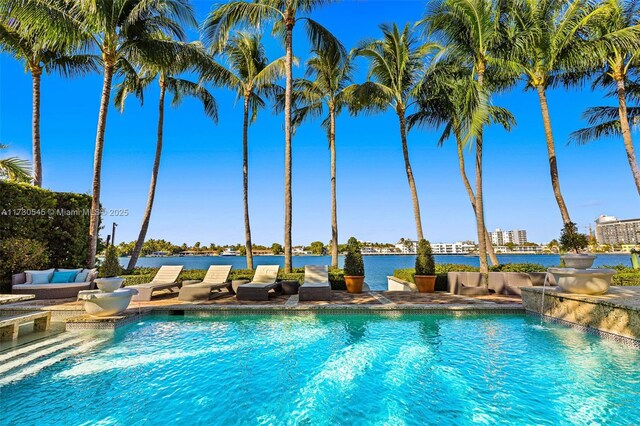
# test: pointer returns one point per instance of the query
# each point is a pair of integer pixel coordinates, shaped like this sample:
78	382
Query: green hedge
60	220
144	275
519	267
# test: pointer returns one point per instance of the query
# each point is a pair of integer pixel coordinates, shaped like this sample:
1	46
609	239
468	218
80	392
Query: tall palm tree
554	43
474	33
284	14
41	54
448	99
396	67
123	31
14	168
253	78
189	55
330	89
617	33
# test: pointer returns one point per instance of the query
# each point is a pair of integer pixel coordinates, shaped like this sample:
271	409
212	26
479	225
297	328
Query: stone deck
616	313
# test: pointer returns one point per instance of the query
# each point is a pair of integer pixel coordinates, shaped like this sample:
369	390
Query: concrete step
21	360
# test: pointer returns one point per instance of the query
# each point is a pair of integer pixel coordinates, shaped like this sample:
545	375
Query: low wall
616	313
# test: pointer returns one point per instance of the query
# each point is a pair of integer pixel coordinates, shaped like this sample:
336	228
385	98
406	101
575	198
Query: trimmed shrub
110	267
518	267
425	264
353	263
59	220
20	254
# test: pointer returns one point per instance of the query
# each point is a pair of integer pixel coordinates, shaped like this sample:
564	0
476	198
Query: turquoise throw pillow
82	276
63	277
40	277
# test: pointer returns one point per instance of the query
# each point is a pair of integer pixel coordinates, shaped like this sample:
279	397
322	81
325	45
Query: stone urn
583	281
578	261
106	304
109	285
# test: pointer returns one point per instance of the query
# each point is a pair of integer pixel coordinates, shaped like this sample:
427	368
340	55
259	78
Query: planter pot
425	283
578	261
109	285
354	283
100	304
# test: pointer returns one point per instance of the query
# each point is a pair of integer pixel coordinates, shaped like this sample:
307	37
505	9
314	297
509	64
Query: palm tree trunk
334	206
154	179
245	182
287	145
626	132
481	228
553	164
36	73
94	223
472	198
412	183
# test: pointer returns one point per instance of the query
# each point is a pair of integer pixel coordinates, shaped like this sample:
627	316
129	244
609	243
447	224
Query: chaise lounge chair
166	278
263	282
316	284
215	279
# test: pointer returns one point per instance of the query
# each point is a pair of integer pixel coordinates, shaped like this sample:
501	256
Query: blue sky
199	194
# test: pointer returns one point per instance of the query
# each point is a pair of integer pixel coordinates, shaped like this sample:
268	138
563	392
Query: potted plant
425	275
634	258
353	267
573	242
109	270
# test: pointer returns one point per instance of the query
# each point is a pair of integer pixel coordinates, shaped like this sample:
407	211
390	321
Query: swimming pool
335	369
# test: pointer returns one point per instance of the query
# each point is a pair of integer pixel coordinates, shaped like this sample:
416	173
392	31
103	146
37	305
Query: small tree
571	239
353	263
111	266
276	248
425	264
317	247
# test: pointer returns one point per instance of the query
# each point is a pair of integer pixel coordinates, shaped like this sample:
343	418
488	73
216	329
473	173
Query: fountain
109	300
580	278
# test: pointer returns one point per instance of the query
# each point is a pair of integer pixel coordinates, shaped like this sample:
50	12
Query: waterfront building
611	230
500	237
453	248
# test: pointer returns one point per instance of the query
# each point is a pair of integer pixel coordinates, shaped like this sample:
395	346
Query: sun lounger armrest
187	282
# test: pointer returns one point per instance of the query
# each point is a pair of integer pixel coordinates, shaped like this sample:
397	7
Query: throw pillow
63	277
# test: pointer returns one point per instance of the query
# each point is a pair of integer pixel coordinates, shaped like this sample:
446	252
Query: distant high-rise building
610	230
500	237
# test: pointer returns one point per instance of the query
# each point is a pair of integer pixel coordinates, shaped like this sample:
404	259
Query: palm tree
123	31
396	66
40	54
554	42
448	98
617	32
474	33
331	72
188	56
253	78
14	168
285	15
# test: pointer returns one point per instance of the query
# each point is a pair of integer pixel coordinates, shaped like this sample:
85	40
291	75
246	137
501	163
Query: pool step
34	356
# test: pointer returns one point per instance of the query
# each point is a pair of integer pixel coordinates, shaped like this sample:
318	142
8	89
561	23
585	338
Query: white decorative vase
578	261
99	304
583	281
109	285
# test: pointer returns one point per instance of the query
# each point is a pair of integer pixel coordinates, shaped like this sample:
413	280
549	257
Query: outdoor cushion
76	270
82	276
63	277
28	274
40	278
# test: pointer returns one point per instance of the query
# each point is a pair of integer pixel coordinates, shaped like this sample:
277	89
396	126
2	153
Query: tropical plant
448	98
253	78
425	263
474	33
553	42
396	67
20	254
284	14
124	32
330	70
188	56
15	168
353	262
571	239
41	54
110	266
316	247
618	33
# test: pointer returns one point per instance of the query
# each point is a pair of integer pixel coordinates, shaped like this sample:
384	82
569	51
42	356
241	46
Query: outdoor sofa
166	278
470	283
316	284
264	281
215	279
53	283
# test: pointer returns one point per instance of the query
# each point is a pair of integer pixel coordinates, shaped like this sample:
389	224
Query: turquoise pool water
336	370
